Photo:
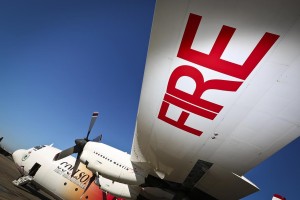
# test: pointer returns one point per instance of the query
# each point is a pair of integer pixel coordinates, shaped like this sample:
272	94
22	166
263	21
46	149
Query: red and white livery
220	95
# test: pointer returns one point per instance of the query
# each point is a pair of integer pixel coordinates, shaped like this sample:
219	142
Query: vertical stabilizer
278	197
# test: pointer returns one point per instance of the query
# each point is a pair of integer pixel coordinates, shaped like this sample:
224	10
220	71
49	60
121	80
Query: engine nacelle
112	164
118	189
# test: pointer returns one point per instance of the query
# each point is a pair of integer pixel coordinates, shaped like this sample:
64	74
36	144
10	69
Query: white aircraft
278	197
3	149
62	179
220	94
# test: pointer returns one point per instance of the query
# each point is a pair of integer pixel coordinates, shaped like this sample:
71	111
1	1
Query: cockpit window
39	147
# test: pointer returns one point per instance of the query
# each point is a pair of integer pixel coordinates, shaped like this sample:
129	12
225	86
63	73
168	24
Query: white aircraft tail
278	197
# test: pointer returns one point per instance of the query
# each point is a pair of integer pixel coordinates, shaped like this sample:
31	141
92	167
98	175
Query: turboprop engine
122	177
118	189
112	164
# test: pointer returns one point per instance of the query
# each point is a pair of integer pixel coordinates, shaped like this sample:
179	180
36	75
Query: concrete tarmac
8	191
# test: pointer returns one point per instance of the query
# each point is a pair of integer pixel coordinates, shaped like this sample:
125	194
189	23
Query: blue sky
62	60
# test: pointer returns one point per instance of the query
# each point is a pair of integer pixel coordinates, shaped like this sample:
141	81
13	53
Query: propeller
79	145
78	148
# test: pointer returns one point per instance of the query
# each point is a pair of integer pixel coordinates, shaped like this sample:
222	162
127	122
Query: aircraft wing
220	92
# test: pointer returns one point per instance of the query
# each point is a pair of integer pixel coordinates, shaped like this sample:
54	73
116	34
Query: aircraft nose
18	156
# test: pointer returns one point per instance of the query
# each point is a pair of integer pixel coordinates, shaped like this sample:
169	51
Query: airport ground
8	191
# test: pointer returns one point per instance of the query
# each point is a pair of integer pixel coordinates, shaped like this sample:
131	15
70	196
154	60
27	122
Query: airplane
3	150
278	197
219	96
68	178
63	179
